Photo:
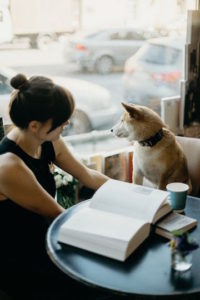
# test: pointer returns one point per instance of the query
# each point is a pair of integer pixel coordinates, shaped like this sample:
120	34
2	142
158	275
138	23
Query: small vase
181	260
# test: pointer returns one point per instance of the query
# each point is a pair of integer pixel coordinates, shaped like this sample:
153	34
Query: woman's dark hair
39	99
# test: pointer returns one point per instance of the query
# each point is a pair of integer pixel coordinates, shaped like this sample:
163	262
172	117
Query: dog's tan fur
162	163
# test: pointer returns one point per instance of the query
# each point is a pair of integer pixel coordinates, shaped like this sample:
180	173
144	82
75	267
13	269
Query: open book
174	221
116	220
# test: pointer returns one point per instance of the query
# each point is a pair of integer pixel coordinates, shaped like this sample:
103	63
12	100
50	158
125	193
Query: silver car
95	108
105	49
154	72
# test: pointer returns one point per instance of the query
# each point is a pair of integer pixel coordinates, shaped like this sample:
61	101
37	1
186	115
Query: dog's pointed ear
132	109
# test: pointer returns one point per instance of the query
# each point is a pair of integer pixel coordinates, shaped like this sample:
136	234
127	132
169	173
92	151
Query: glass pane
141	63
160	55
5	87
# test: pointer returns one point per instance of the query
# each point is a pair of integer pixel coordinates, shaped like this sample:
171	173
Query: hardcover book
116	220
172	222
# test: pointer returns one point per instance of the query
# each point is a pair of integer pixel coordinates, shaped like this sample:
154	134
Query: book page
128	199
103	233
100	223
175	221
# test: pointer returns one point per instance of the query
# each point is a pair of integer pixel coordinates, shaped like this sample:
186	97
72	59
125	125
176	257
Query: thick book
173	222
116	220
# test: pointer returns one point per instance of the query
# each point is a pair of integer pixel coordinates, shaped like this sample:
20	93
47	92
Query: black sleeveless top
22	232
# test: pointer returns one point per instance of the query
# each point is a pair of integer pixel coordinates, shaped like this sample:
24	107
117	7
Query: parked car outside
95	108
102	50
154	72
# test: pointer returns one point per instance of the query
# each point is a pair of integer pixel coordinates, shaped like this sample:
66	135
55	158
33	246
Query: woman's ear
34	126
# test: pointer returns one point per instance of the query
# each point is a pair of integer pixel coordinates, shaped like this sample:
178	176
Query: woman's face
47	135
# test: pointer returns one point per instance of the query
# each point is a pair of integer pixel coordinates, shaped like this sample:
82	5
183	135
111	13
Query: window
5	87
161	55
101	50
120	35
133	35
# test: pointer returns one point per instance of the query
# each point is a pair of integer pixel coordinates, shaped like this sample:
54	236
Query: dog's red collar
153	140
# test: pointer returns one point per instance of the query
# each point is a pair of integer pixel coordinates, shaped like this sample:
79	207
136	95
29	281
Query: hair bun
19	81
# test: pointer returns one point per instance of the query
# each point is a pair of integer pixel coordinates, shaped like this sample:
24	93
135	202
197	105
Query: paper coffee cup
178	195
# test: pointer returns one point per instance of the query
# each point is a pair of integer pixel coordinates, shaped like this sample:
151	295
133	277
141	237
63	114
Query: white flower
58	180
60	171
68	177
64	180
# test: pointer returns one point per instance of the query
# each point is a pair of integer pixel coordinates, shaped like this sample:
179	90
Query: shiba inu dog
157	155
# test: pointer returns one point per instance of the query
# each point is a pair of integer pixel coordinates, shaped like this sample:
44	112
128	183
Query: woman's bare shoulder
9	162
60	146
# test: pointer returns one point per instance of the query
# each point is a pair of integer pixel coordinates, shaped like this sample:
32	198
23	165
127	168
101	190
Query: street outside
50	62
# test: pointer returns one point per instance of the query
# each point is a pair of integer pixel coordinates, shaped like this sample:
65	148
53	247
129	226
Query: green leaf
177	233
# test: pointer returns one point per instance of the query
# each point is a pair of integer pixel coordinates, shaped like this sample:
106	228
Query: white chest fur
147	161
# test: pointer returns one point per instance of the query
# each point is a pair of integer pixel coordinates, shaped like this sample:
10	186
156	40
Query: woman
40	110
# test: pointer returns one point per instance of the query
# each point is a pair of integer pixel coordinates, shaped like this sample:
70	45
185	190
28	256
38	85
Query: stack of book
115	164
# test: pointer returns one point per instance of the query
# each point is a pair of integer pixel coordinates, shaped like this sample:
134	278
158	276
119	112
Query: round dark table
147	272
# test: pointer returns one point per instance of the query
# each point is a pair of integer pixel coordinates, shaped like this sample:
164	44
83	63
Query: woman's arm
18	183
67	162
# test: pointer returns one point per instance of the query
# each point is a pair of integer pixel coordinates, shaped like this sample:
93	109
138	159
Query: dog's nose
111	129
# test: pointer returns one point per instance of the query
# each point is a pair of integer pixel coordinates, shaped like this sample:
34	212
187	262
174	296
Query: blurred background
103	51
